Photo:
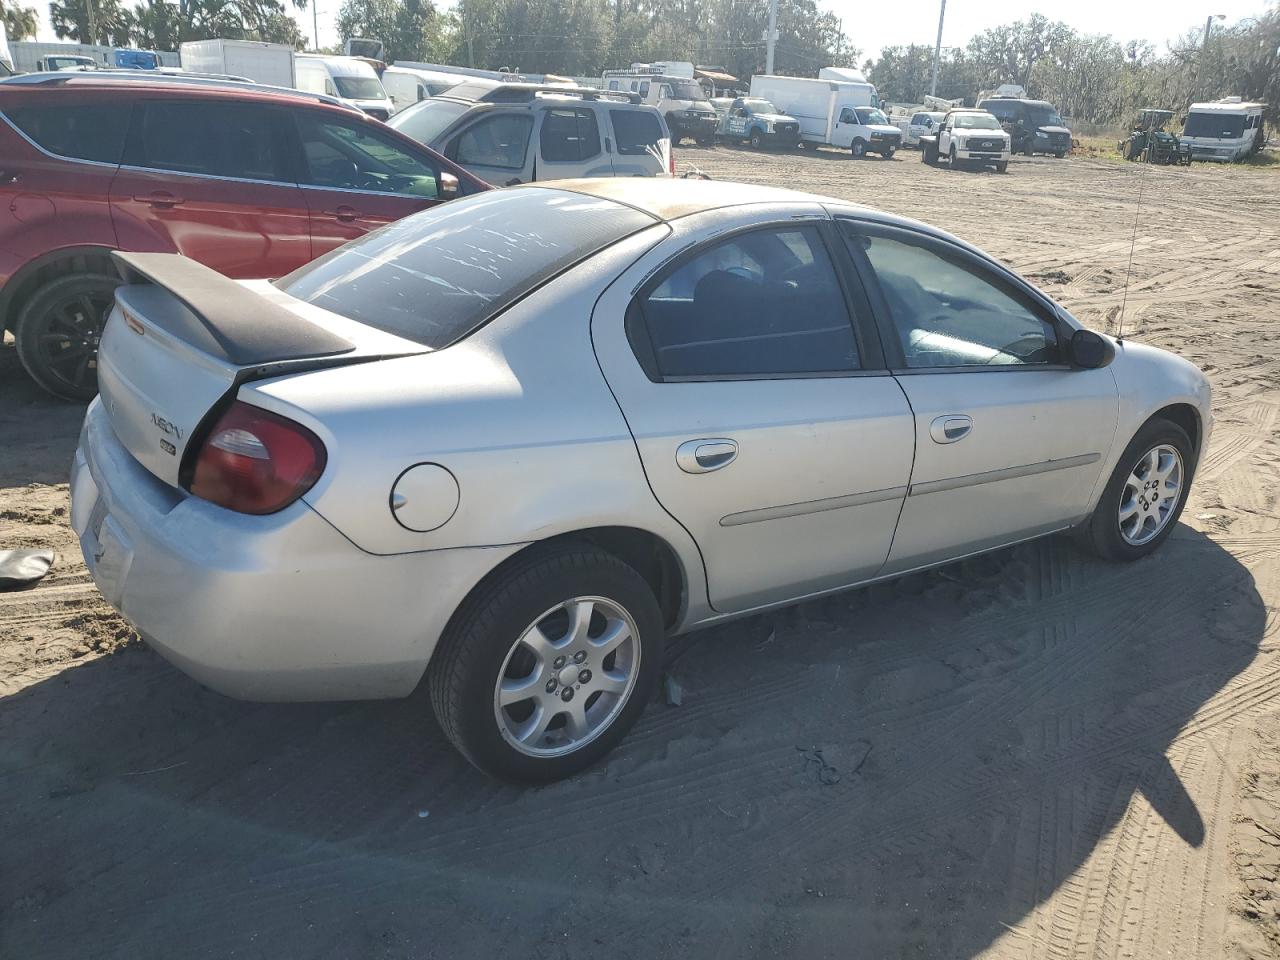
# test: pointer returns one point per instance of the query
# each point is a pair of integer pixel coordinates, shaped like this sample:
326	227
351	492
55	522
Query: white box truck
270	63
839	113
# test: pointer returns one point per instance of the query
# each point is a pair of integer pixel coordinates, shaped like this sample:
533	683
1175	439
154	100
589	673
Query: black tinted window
569	135
86	131
637	131
358	156
435	276
948	312
764	303
500	141
220	139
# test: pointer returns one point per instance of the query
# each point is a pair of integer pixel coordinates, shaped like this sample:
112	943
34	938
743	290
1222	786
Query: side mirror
449	185
1089	351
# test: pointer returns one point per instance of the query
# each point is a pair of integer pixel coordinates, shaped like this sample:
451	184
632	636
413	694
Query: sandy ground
1028	755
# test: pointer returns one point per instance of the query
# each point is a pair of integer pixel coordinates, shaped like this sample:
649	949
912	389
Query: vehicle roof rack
528	92
62	77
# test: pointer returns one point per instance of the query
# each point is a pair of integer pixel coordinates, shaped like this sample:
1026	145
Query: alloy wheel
567	677
1151	494
67	343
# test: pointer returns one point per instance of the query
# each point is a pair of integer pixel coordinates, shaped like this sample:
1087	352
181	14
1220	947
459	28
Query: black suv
1034	125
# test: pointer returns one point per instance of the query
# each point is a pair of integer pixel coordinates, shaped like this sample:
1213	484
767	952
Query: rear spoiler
224	318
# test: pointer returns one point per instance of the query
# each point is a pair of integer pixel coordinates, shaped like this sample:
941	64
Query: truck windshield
684	89
436	276
976	121
760	106
359	88
1042	115
1215	125
871	115
425	121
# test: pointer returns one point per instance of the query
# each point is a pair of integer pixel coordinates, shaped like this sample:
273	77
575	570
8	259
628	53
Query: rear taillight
254	461
671	160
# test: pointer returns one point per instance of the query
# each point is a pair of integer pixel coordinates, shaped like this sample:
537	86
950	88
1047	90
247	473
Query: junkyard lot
1025	755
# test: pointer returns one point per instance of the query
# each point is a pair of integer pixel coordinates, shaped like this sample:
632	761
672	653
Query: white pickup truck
968	137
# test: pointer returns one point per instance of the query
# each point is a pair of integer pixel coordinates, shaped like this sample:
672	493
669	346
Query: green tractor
1150	141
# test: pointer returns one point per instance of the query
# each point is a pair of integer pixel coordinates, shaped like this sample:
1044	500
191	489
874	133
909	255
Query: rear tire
1130	491
58	329
482	655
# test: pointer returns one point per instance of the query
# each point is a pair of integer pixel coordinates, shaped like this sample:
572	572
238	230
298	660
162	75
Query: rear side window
761	304
637	131
436	276
569	135
84	131
240	140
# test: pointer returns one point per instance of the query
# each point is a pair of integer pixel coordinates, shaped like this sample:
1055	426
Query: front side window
222	139
569	135
644	89
93	130
358	157
949	312
435	276
637	132
500	141
848	116
761	304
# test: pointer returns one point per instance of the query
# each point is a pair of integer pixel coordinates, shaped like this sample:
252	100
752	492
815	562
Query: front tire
888	153
58	330
548	663
1144	496
1002	166
859	149
757	141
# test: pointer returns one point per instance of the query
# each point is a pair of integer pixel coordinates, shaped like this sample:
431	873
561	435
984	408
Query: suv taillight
671	160
254	461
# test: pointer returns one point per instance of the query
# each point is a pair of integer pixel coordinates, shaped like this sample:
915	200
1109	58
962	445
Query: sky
875	25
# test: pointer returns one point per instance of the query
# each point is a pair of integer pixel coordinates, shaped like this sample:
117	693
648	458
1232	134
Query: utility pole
937	51
315	22
89	19
772	38
839	39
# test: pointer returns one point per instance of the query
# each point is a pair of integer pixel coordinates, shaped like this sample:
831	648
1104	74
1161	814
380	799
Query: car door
357	175
634	144
495	147
211	179
763	417
921	125
1009	439
569	144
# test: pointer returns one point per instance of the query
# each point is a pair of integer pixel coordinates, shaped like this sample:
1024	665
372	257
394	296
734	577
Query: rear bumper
280	607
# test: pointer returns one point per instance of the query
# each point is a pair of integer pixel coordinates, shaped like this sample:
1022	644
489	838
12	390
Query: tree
19	22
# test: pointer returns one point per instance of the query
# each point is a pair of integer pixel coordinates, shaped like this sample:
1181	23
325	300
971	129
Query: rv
1225	130
670	87
840	113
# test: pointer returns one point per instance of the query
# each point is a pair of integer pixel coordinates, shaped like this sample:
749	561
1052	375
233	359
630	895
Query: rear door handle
7	177
703	456
160	200
950	428
344	213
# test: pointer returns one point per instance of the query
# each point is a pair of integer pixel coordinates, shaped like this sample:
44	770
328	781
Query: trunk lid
181	339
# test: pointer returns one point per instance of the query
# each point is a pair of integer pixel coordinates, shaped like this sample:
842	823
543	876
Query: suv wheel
58	330
1144	497
548	663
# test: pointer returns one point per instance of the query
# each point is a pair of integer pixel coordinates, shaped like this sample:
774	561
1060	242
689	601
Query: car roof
667	198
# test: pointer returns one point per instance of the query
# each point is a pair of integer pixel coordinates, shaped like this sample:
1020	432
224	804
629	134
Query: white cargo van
270	63
407	85
841	113
1224	130
350	79
670	87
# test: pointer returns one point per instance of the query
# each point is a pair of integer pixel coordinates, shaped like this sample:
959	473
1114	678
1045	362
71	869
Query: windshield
871	115
64	63
427	120
1217	126
1041	115
976	121
359	88
436	276
684	89
760	106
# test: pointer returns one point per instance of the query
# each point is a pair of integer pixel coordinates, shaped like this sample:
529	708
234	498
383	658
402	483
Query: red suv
252	182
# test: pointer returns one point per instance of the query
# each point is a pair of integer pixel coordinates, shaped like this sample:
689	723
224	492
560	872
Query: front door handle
703	456
160	200
950	428
344	213
7	177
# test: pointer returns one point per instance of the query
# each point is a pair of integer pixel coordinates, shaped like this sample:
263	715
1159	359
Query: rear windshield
436	276
427	120
637	132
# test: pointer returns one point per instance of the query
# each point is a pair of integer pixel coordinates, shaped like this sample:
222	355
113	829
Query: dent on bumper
281	607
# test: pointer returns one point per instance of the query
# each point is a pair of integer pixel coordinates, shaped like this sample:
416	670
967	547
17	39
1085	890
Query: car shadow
909	769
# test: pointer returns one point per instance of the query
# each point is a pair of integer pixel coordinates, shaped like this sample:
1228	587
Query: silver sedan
512	443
